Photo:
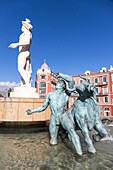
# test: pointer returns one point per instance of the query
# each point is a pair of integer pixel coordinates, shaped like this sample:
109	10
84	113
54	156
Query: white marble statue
24	64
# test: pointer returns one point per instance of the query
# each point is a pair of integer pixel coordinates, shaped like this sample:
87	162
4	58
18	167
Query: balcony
102	94
101	83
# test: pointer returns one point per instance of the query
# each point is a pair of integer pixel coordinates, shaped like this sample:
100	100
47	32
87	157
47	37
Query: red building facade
103	80
45	81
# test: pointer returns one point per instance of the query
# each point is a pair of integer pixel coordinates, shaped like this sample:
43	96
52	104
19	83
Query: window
96	89
75	81
105	90
104	79
97	99
42	84
106	112
96	80
106	99
42	91
42	77
106	109
80	81
89	81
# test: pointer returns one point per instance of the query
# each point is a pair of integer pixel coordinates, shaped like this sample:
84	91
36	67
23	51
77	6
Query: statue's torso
58	101
25	38
57	104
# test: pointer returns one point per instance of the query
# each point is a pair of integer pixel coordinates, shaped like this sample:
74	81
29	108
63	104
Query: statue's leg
28	71
87	138
69	127
21	64
101	131
53	129
75	140
81	119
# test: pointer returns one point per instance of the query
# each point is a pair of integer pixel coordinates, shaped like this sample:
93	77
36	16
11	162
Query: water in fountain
29	148
109	137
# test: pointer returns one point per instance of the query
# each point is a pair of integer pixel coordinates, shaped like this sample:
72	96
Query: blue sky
72	35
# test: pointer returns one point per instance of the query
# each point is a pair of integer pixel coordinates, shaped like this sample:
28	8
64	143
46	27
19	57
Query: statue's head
27	25
60	85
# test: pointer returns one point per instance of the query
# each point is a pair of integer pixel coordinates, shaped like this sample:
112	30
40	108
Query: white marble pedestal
25	92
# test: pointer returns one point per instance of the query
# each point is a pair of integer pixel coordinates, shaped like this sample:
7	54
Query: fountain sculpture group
84	113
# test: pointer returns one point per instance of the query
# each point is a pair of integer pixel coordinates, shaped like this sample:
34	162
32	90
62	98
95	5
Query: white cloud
9	84
4	86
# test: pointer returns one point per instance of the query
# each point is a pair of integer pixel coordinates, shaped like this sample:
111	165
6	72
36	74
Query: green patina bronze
85	112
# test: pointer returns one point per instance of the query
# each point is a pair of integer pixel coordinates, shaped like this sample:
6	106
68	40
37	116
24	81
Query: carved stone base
25	92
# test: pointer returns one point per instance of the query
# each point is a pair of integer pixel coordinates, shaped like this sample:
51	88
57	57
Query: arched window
106	112
42	84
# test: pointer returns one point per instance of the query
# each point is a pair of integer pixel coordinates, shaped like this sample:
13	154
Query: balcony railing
102	94
101	83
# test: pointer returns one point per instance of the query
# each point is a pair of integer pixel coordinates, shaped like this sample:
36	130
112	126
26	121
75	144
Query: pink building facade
45	81
103	80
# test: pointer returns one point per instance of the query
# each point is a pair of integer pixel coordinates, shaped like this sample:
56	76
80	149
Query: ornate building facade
103	80
45	81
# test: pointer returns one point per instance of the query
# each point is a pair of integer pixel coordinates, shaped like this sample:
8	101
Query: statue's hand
13	45
29	111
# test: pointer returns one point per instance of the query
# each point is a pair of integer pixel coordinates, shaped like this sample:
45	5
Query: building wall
104	87
50	83
104	92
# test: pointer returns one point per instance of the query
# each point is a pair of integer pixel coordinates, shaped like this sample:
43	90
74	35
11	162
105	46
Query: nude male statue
24	64
57	101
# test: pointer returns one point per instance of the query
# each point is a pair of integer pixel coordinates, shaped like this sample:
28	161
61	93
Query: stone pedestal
24	92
